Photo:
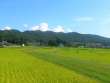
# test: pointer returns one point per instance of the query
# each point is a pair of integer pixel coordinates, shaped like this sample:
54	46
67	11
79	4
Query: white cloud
6	28
69	30
58	29
81	19
34	28
45	27
25	25
41	27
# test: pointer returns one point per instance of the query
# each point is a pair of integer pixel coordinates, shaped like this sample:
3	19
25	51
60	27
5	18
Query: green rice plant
94	63
19	65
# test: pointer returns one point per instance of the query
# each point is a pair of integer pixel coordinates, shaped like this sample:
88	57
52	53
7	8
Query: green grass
54	65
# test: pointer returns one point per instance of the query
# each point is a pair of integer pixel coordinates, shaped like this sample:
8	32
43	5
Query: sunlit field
54	65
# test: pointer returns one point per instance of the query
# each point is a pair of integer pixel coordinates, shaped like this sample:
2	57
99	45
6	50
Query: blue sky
84	16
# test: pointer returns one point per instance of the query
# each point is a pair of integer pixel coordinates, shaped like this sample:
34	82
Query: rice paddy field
54	65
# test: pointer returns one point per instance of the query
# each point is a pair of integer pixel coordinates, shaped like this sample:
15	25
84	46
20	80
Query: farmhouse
4	43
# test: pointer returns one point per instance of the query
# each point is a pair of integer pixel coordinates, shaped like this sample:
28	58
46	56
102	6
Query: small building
23	45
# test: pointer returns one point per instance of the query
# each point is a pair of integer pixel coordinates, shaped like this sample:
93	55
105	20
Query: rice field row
93	63
19	65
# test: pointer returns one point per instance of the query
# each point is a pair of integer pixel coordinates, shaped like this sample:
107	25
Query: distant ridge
50	38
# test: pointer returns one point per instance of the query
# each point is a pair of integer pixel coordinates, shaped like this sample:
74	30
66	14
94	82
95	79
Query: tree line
49	38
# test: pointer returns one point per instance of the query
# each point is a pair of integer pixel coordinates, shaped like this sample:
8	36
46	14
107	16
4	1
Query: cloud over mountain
45	27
